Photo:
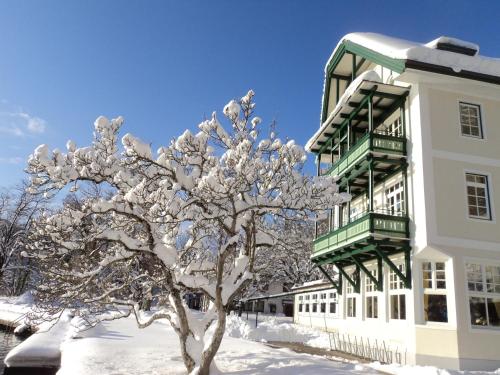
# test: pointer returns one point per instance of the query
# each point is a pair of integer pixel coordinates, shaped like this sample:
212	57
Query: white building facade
413	133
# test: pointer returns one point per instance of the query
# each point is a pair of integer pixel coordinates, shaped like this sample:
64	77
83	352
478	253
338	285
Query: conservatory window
483	284
434	283
478	196
351	307
395	199
397	296
371	297
470	120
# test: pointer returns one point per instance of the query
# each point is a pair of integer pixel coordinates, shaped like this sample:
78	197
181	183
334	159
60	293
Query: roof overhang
385	96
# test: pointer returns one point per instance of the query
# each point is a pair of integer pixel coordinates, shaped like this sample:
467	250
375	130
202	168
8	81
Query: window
322	307
272	308
315	296
315	307
333	295
333	308
397	296
371	297
308	297
483	283
300	307
301	298
322	296
434	283
470	120
478	196
395	199
351	307
395	128
307	307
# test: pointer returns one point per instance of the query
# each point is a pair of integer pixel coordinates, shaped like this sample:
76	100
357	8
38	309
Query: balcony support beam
376	281
406	279
354	284
330	279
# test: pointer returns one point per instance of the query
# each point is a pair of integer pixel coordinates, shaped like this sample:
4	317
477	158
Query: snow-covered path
119	347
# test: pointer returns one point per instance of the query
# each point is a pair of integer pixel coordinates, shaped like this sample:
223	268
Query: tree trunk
208	355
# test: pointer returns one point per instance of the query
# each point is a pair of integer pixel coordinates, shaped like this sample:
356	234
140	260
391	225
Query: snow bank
274	329
41	349
14	309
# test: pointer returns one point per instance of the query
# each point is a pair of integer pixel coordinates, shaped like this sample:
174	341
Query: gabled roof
445	52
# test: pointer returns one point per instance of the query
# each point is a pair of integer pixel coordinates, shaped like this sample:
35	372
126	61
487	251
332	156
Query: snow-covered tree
18	208
191	218
288	261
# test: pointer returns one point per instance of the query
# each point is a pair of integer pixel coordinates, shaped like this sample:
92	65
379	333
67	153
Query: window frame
434	290
480	118
391	192
399	290
371	293
483	294
489	201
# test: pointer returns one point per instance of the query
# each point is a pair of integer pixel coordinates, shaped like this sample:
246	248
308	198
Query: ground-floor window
300	307
434	284
483	281
259	306
435	308
371	297
322	307
333	308
372	307
315	307
307	307
398	306
397	298
272	308
351	307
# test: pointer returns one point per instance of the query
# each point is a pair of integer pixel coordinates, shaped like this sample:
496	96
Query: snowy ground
119	347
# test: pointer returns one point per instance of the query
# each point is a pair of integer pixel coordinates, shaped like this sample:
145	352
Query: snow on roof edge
369	75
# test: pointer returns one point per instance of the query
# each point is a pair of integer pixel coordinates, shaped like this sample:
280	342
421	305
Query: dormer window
470	120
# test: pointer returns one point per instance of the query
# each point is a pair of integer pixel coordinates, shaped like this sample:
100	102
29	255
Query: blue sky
164	65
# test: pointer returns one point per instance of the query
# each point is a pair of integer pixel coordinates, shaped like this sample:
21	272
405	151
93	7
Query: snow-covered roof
426	53
314	285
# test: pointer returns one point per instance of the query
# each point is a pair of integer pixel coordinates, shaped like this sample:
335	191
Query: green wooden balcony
360	236
379	144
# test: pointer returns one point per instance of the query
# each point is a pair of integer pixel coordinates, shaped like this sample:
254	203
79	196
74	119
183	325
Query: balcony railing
369	224
375	142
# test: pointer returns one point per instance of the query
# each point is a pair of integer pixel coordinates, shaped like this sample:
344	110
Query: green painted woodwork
367	226
395	65
370	142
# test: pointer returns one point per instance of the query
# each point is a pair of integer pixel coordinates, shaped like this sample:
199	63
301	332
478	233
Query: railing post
349	201
405	188
370	185
370	113
348	135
